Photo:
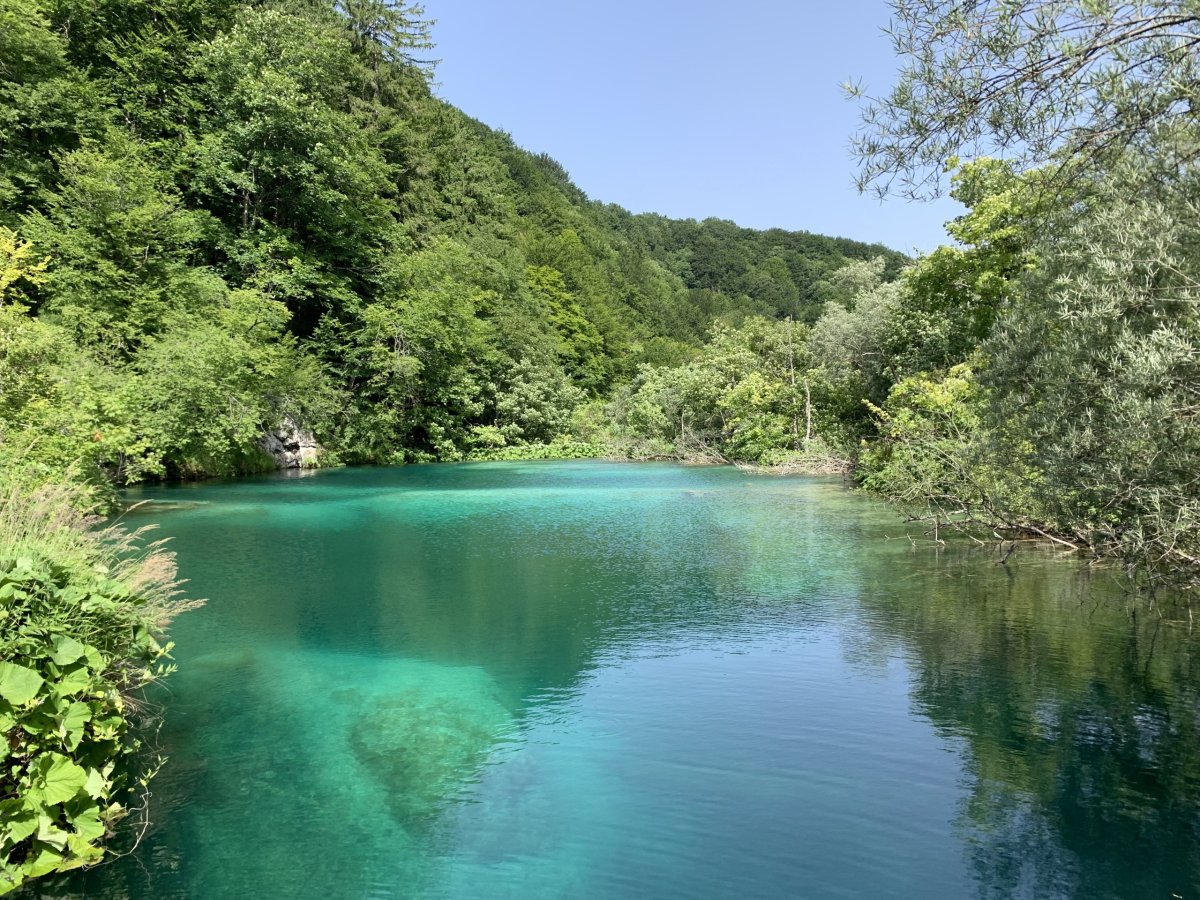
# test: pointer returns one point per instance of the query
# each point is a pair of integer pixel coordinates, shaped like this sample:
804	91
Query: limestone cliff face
291	445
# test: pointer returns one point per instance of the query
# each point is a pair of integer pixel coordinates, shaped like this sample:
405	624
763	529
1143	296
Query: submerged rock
425	742
291	445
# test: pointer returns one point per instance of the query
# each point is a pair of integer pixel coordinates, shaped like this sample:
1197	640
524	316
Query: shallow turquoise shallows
593	680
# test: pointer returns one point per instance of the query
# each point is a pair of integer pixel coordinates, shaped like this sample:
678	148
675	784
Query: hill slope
219	216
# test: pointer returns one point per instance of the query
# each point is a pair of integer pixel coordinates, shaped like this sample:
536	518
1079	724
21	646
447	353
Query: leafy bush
755	393
1095	373
937	456
558	449
81	619
929	430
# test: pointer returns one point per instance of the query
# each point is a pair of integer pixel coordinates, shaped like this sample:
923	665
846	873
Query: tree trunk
807	412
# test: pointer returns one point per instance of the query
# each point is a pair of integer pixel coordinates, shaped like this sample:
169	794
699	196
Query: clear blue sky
690	109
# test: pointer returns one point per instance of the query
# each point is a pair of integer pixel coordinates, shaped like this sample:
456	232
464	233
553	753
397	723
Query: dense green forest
222	221
219	217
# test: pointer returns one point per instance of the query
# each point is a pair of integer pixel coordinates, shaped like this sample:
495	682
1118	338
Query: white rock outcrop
291	445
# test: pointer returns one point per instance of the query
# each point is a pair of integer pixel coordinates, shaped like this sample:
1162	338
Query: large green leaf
19	824
49	833
95	661
18	684
65	650
77	716
72	683
45	862
96	785
87	824
57	779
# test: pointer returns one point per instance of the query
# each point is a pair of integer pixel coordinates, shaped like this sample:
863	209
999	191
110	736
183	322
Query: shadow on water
584	679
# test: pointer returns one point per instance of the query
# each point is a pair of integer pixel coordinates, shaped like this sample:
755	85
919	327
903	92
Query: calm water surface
588	680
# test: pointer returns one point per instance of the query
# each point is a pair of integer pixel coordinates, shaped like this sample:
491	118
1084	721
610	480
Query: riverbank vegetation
1072	408
83	610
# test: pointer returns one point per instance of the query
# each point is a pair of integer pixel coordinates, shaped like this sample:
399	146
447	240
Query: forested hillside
219	217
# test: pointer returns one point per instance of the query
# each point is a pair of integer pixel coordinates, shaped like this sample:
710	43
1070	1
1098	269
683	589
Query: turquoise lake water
593	680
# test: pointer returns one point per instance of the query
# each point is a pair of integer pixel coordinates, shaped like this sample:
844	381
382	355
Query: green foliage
279	145
753	393
954	294
45	105
63	414
193	401
561	448
80	622
202	391
852	343
1076	82
415	355
386	31
1075	416
935	443
19	266
776	393
733	273
120	245
534	403
931	452
1097	380
581	347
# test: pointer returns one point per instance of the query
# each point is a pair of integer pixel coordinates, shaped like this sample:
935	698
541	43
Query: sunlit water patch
595	680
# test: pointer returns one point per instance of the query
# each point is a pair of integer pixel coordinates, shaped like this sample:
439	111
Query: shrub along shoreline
83	612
